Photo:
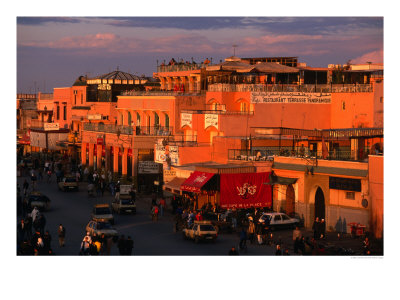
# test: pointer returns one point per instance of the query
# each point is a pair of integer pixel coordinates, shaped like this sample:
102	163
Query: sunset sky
54	51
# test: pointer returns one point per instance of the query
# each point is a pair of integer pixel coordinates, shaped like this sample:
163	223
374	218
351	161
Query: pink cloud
374	57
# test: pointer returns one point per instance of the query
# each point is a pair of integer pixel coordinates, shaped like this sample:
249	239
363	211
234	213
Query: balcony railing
305	88
162	93
129	130
266	153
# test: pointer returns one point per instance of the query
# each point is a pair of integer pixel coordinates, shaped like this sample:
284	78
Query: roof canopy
196	181
117	75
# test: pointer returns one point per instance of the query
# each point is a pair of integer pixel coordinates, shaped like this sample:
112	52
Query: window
285	217
381	100
58	112
350	195
82	98
75	99
166	121
65	112
343	105
277	218
244	106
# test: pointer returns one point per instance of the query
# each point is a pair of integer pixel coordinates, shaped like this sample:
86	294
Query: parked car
99	227
200	231
103	213
279	220
37	199
68	183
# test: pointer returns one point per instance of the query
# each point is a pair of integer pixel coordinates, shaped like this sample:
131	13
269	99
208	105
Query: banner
210	120
245	190
290	97
186	120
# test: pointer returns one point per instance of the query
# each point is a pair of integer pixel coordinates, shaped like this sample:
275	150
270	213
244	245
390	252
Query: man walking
129	246
61	235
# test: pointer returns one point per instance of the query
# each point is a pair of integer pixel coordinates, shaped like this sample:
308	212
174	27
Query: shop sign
168	175
148	167
186	120
51	126
210	120
94	117
345	184
293	97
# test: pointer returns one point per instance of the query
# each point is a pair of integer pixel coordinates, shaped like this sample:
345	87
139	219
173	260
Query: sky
54	51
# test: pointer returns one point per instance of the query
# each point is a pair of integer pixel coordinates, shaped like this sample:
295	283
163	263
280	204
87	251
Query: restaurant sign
292	97
51	126
148	167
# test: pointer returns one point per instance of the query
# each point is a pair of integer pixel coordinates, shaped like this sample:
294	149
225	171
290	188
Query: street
73	210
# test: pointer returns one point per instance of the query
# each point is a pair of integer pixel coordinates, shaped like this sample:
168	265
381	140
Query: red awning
196	181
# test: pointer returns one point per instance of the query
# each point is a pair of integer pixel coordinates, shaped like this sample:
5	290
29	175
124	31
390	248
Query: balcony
306	88
267	153
128	130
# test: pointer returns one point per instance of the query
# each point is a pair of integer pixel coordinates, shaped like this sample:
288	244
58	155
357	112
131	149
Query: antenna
234	49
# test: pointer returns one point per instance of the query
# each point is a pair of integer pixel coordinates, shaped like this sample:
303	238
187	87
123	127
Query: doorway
290	200
319	208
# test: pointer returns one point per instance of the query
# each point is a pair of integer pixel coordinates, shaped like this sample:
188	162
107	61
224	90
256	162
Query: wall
358	110
376	177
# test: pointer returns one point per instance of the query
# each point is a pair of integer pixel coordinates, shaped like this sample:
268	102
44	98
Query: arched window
137	119
166	121
156	120
129	118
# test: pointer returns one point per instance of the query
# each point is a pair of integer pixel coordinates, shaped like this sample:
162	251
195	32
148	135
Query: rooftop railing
267	153
162	93
181	67
305	88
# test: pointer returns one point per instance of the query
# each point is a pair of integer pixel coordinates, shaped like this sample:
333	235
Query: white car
99	228
279	220
200	230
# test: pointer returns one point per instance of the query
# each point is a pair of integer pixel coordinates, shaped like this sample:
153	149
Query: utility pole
234	49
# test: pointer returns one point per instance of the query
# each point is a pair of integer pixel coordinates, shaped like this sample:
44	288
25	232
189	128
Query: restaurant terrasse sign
291	97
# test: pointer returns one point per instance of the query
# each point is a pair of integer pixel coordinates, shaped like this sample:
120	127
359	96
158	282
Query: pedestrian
251	230
61	235
315	227
129	246
109	244
21	229
322	229
40	174
296	239
117	190
154	213
233	251
47	242
278	250
33	179
35	214
162	206
28	226
243	239
259	232
133	195
39	247
286	252
49	176
366	246
103	247
42	223
25	187
85	246
122	245
88	237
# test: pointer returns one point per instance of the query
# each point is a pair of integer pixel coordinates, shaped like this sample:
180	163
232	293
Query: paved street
73	210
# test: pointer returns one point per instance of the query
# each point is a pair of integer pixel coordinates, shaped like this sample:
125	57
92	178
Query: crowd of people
102	245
